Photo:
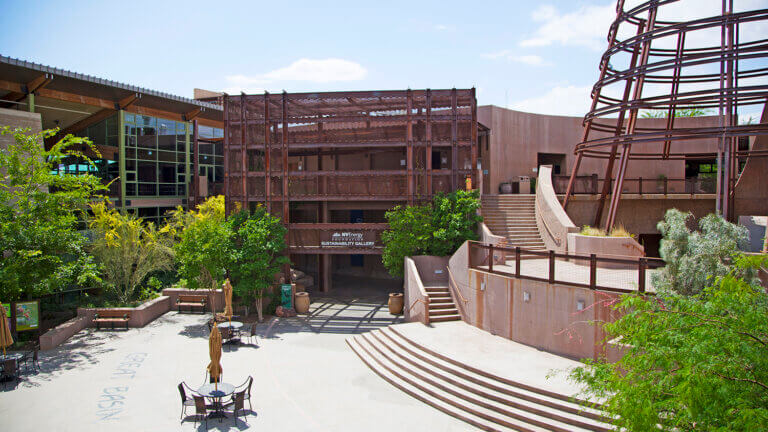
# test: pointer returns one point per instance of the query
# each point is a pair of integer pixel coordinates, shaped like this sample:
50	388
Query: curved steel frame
650	63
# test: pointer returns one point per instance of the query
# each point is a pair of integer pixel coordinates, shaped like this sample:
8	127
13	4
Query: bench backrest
112	313
193	298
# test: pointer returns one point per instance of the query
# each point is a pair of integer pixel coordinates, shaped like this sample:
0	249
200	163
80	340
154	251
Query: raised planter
618	247
57	335
141	315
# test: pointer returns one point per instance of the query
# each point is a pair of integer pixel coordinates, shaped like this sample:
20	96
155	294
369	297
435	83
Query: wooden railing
636	266
592	185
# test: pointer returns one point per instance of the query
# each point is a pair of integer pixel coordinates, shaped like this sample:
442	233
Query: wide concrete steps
477	397
514	217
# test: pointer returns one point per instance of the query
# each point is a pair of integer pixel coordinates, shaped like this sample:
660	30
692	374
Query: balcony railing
592	185
615	274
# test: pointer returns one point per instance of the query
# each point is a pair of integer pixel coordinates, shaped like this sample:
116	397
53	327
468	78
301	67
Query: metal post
592	271
490	258
640	186
517	261
551	266
121	155
642	264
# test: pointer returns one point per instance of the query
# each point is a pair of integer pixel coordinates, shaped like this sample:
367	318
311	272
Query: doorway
557	160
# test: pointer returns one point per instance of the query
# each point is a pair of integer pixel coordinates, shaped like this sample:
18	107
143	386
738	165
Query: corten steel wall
343	147
518	137
653	63
549	319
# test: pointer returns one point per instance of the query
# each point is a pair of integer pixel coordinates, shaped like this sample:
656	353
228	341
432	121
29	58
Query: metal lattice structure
651	64
283	150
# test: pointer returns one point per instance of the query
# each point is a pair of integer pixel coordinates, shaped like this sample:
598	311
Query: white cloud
533	60
587	26
560	100
310	70
442	27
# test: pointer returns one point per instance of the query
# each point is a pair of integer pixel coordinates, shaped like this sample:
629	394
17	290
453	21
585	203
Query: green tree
204	249
693	258
436	228
696	362
128	250
678	113
259	240
40	207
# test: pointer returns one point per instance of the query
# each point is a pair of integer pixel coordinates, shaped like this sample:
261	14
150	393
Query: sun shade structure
214	350
5	331
714	63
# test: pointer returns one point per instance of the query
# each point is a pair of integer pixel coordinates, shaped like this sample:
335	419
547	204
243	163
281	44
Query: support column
428	155
121	155
31	102
267	156
324	270
243	151
409	146
194	174
226	156
454	143
473	175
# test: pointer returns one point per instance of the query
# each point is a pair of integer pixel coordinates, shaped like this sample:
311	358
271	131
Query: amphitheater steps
484	400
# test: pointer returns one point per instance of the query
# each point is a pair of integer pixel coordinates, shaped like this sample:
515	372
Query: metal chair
201	410
186	400
238	404
30	359
252	334
245	387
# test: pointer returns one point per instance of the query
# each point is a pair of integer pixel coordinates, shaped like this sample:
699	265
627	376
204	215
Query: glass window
147	171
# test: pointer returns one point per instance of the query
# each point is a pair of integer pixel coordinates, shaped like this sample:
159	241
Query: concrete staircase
486	401
441	305
514	217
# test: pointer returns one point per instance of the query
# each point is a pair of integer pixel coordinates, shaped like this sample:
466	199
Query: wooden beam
39	82
127	101
191	115
82	124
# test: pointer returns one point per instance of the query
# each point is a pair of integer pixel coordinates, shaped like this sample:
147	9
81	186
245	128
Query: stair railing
456	286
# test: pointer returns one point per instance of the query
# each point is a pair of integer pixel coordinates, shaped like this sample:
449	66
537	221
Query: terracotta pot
505	188
302	302
396	303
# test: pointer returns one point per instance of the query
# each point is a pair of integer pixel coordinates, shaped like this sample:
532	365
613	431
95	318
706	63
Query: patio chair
252	334
245	387
201	410
187	400
30	359
238	404
10	372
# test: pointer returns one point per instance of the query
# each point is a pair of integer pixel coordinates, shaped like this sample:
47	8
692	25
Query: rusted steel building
331	164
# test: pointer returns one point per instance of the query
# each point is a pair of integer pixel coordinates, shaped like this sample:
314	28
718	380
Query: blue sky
528	55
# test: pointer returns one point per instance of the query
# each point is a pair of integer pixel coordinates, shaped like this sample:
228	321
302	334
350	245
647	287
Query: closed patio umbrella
214	350
5	331
228	299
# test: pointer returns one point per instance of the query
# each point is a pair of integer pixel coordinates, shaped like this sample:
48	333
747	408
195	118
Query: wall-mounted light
482	285
580	305
526	296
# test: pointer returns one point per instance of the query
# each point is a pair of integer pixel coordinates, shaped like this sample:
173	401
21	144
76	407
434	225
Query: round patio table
12	356
236	325
216	393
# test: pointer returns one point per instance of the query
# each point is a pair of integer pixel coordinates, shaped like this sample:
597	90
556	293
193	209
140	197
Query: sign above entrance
348	239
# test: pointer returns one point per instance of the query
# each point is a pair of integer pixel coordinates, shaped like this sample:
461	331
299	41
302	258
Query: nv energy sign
349	239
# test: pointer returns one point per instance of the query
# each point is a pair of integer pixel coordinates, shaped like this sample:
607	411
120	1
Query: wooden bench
112	317
192	301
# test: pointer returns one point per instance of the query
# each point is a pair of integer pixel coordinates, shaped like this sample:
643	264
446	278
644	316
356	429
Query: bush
694	258
437	228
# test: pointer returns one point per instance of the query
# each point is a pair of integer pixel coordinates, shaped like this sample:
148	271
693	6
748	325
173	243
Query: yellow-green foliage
590	231
617	231
620	231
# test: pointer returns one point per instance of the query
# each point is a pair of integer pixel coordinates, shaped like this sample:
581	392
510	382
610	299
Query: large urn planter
302	302
396	303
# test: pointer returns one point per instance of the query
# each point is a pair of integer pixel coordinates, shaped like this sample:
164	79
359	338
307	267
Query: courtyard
305	376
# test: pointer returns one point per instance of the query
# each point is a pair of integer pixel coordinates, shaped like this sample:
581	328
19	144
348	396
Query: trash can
286	296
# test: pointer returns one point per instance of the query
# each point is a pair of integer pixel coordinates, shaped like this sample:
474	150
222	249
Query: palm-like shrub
128	249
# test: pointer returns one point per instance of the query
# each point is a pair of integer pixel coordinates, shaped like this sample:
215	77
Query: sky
536	56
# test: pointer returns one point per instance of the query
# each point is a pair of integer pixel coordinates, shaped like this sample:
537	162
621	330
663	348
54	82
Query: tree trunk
259	303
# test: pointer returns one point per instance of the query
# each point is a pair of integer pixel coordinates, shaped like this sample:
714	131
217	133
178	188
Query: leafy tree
42	251
128	250
692	258
678	113
204	249
696	362
259	240
437	228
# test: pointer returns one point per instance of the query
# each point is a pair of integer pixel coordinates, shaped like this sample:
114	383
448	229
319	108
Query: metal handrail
450	275
426	303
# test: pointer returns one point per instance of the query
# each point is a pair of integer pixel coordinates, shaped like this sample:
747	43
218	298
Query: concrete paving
305	377
569	271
